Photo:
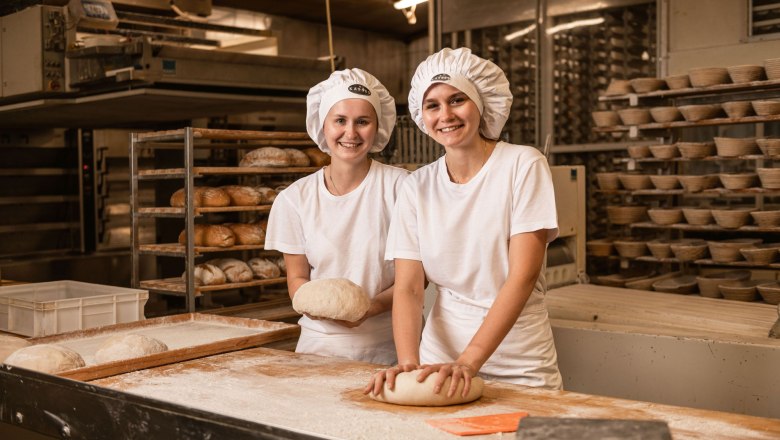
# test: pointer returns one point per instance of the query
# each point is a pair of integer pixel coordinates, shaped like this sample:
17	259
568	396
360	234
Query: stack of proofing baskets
43	309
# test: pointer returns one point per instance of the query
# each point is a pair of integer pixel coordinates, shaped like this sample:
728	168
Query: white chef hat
481	80
349	84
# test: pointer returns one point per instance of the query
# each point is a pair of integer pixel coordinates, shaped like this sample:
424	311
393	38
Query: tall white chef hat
349	84
481	80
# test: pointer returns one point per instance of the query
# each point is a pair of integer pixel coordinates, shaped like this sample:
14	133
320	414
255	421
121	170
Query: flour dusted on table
46	358
128	346
334	298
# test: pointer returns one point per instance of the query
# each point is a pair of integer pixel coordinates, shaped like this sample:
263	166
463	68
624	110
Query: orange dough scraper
477	425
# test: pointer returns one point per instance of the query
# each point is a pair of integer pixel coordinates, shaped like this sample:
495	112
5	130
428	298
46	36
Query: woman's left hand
457	371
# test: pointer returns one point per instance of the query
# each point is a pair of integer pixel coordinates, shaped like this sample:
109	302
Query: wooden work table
322	396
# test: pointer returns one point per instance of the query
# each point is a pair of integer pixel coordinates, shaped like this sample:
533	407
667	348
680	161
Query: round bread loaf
199	232
128	346
46	358
242	195
247	233
177	199
214	197
297	157
266	157
267	195
236	271
206	275
281	265
219	236
264	268
317	157
334	298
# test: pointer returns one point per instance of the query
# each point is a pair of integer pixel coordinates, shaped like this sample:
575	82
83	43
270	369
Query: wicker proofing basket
644	85
608	181
727	251
770	177
770	292
693	184
664	152
738	109
618	87
766	107
665	216
696	150
624	215
676	82
731	218
638	151
689	251
769	146
708	284
708	76
683	284
665	181
698	216
761	254
699	112
772	68
635	116
660	248
631	248
606	118
635	182
738	180
745	73
741	291
734	147
766	219
665	114
600	248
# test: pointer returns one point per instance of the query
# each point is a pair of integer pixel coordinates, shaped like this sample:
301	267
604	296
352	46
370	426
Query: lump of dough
408	391
334	298
46	358
128	346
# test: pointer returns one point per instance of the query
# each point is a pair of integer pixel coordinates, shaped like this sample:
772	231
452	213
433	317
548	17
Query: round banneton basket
608	181
638	151
665	181
708	284
770	292
635	116
635	182
731	218
644	85
741	291
700	112
690	250
660	248
631	248
676	82
624	215
664	151
665	114
698	216
694	184
600	248
665	216
769	146
770	177
766	107
738	109
738	180
746	73
683	284
696	150
760	254
733	147
708	76
772	68
618	87
727	251
605	118
766	219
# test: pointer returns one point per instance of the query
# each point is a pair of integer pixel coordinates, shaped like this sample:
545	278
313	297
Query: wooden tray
188	336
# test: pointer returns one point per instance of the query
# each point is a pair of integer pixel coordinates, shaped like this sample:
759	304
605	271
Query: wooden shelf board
176	286
179	173
685	124
693	91
179	212
219	134
178	250
712	227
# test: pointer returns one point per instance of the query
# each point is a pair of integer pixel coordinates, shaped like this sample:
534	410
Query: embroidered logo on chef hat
441	77
359	89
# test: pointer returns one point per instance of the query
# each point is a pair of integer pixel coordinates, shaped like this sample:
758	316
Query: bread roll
177	199
200	235
317	157
242	195
267	195
266	157
236	271
214	197
247	233
206	275
297	157
264	268
219	236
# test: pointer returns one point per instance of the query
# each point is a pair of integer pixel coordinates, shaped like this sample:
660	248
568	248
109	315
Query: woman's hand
458	372
378	379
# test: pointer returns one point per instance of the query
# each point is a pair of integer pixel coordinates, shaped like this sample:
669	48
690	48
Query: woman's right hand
378	379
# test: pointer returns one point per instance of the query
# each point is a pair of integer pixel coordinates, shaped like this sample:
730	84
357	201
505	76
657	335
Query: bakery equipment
566	254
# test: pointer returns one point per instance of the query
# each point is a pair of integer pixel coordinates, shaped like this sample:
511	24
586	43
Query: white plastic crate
43	309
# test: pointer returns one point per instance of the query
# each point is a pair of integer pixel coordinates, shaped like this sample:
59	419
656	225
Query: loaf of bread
203	196
199	232
263	222
206	275
317	157
177	199
236	271
247	233
280	263
264	268
242	195
219	236
297	157
266	157
267	195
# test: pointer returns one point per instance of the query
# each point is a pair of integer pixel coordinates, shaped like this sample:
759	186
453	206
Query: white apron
376	347
526	356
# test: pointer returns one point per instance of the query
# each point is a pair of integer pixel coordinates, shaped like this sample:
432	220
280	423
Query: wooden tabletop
322	396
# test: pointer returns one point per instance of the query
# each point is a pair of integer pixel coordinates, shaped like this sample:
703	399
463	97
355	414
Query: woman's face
350	129
450	116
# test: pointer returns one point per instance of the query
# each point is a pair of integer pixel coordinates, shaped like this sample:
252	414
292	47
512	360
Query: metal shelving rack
188	140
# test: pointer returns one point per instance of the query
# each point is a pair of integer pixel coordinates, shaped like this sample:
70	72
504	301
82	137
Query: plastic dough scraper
477	425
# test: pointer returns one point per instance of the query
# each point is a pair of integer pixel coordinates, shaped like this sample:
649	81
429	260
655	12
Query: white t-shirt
461	232
341	236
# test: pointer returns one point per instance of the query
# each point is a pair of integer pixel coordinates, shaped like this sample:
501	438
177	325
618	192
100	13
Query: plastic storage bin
43	309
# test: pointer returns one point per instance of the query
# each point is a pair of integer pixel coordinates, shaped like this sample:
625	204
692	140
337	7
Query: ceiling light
403	4
520	33
575	24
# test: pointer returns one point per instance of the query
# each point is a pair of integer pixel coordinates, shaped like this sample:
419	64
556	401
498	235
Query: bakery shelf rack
188	140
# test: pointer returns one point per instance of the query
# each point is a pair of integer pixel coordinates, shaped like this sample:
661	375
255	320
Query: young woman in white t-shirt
476	223
333	223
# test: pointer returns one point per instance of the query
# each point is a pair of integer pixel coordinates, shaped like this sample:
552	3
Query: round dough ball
9	344
46	358
408	391
334	298
128	346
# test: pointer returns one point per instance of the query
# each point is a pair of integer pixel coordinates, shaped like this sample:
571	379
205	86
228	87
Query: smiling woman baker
476	222
333	223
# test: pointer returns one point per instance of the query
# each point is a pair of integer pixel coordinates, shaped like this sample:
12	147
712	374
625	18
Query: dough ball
46	358
128	346
334	298
9	344
408	391
264	268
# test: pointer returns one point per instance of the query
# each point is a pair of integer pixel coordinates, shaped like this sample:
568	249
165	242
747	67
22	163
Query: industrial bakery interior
144	143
